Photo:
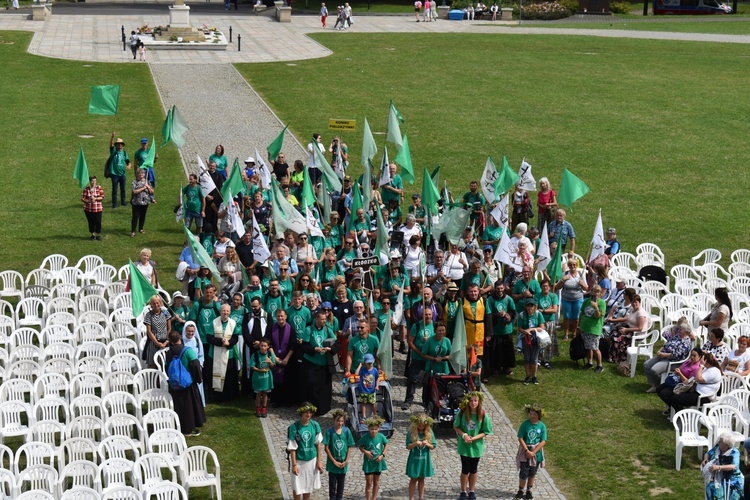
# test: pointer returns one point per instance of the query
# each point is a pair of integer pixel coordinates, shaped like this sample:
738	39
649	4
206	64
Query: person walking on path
323	14
118	162
92	197
134	44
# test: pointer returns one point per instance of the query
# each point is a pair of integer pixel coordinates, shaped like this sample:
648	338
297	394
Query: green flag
356	205
141	290
458	347
393	133
275	147
403	158
166	128
571	188
367	186
148	161
234	183
179	128
452	223
325	201
308	195
104	100
200	255
554	268
385	356
325	168
435	176
430	195
506	178
369	149
285	216
381	242
81	172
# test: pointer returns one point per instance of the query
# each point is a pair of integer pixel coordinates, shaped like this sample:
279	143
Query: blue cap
326	305
144	140
369	358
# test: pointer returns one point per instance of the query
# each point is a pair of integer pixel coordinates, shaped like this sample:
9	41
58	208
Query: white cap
250	159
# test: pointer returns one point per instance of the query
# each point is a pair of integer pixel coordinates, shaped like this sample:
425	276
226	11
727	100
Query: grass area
635	119
728	27
46	101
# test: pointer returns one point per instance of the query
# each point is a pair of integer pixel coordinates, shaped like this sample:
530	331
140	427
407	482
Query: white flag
179	215
398	309
204	178
525	179
597	242
543	253
234	216
313	226
260	248
489	176
507	253
500	212
263	171
385	174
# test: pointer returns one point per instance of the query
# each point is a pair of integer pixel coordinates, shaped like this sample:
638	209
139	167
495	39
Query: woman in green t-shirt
305	452
471	425
592	321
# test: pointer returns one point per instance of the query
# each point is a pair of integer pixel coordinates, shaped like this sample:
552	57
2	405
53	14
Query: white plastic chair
40	277
59	330
655	289
88	406
7	309
48	432
54	263
90	331
90	428
11	285
93	303
30	454
116	472
739	270
89	384
127	426
31	311
119	382
707	256
150	378
641	344
649	259
702	302
123	273
119	346
87	264
148	471
688	286
154	399
6	458
121	493
92	290
80	493
92	364
681	271
166	491
112	290
724	418
38	291
24	369
25	352
35	495
711	284
687	426
168	443
52	408
194	469
120	403
741	285
159	419
38	477
740	255
714	270
124	362
91	349
69	276
17	390
7	485
59	351
118	447
743	315
105	274
123	301
160	358
63	300
626	260
121	330
73	449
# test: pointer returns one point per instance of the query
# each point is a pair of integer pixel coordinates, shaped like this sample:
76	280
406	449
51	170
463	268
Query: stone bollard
443	11
506	14
284	14
40	11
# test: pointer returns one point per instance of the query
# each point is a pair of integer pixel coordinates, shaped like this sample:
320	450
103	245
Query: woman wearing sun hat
305	452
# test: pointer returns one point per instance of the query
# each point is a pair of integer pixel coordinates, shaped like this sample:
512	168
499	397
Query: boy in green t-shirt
592	321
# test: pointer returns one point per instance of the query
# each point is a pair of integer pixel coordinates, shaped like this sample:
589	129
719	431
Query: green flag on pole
325	201
435	176
381	241
458	347
104	100
141	290
403	158
385	356
369	149
571	188
367	186
554	268
174	128
506	178
275	147
234	183
328	173
307	198
166	128
393	133
356	205
148	161
430	195
200	255
81	172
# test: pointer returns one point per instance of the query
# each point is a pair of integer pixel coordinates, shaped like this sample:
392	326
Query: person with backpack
184	373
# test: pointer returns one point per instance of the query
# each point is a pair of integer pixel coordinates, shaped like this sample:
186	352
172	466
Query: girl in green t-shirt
593	311
374	447
419	441
532	436
338	442
472	424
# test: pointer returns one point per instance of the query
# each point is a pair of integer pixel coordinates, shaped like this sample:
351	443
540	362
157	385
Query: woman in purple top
687	370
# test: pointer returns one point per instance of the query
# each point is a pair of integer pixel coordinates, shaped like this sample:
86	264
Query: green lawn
45	104
728	27
637	120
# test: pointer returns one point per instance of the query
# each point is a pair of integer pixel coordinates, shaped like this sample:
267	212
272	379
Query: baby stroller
446	393
384	406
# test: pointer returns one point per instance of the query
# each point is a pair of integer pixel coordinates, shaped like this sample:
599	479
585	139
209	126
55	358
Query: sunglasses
386	303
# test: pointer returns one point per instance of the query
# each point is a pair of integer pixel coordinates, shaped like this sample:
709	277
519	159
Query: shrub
620	7
571	5
544	11
459	4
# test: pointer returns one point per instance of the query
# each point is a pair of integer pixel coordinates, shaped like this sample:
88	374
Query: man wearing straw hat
118	163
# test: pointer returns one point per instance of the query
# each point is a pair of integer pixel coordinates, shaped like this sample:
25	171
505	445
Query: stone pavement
498	476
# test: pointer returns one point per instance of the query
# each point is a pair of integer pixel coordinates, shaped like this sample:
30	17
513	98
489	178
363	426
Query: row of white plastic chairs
58	333
719	419
17	349
116	478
